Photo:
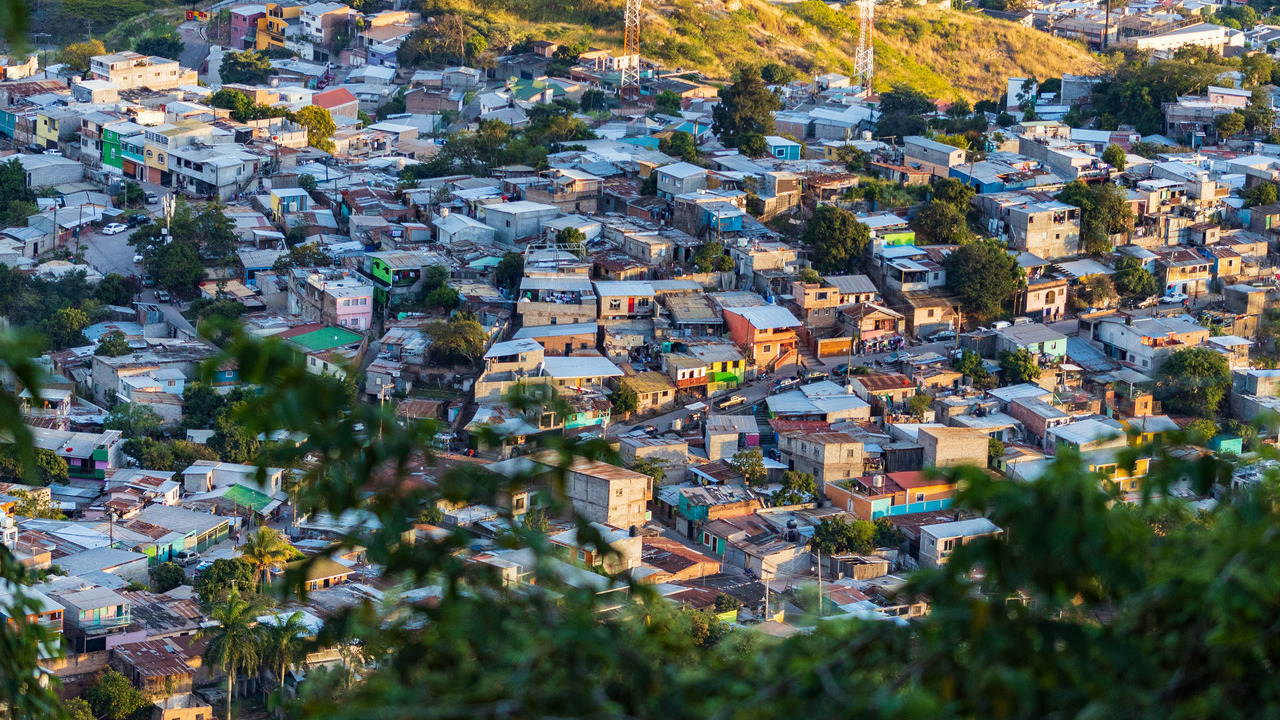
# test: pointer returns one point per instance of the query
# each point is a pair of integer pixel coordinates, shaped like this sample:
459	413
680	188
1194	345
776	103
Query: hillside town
791	307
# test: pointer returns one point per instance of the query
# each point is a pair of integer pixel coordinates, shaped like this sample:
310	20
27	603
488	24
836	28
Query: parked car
148	281
815	375
1171	298
151	198
163	296
114	229
137	259
899	356
138	220
732	401
186	557
1148	302
33	148
784	384
942	336
650	429
841	370
54	152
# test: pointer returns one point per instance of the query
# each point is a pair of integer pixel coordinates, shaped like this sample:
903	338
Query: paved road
194	45
112	254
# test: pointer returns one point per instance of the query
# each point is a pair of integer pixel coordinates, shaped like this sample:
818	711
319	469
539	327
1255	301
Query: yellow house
161	138
271	28
1106	464
54	123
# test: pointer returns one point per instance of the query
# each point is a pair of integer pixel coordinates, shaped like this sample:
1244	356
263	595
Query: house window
618	492
582	556
768	348
930	312
520	503
919	497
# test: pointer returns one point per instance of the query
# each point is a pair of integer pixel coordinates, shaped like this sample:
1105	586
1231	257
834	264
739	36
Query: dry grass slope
942	52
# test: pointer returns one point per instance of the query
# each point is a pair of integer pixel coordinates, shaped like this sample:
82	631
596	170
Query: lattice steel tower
864	57
631	53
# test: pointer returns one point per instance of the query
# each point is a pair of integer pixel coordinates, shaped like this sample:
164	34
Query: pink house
244	25
349	306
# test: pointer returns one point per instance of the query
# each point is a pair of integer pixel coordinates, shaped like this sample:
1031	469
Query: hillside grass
944	53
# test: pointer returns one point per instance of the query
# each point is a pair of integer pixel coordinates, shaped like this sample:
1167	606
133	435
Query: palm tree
264	551
233	642
282	644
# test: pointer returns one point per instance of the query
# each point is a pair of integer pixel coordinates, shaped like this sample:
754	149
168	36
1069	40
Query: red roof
331	99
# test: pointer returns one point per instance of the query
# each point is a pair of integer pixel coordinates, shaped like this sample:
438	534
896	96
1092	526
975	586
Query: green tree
681	144
1104	211
593	101
1260	194
18	212
34	505
168	45
282	644
1115	156
66	328
1193	381
984	277
837	536
1229	124
233	643
133	420
778	73
667	103
458	339
655	468
970	364
167	576
918	405
113	344
1019	366
1201	430
431	515
231	99
940	223
230	440
304	255
221	577
752	145
113	697
625	401
573	240
176	267
77	55
726	603
955	193
264	551
509	272
808	275
995	449
537	520
837	241
13	182
245	68
78	709
1131	279
320	126
746	107
887	534
750	464
115	289
797	487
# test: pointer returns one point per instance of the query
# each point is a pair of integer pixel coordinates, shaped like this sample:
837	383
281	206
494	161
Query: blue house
782	148
722	217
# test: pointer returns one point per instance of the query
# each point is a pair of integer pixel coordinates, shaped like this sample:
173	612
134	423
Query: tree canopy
745	107
245	68
1131	279
984	277
1104	211
836	239
940	223
1194	381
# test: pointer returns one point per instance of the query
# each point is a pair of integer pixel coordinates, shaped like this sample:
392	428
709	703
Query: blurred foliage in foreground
1092	608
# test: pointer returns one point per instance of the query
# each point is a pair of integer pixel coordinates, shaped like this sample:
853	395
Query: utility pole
819	549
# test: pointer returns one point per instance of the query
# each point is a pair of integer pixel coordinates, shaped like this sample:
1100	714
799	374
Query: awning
696	407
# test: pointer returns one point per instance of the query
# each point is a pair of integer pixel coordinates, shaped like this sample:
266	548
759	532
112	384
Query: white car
1173	298
137	259
114	229
54	152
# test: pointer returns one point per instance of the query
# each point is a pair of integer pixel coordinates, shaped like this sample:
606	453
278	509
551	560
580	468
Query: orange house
768	333
876	496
